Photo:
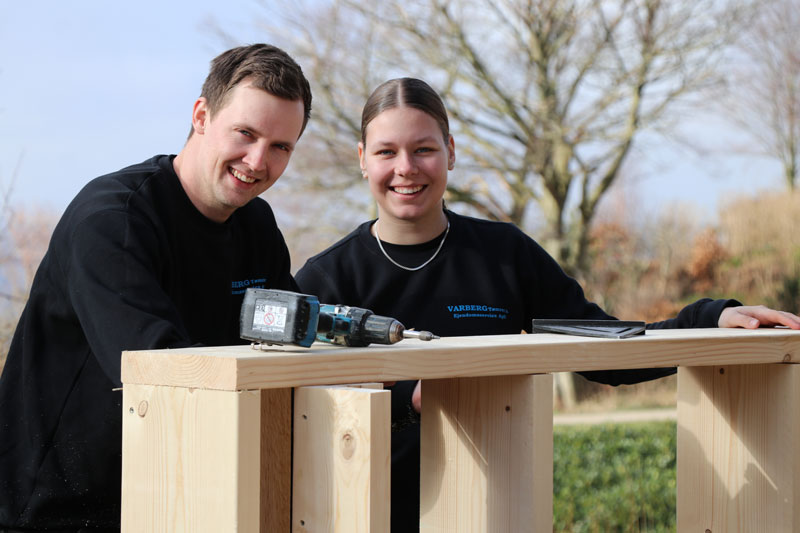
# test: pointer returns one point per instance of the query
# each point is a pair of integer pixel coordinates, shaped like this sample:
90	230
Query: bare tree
547	96
24	235
765	86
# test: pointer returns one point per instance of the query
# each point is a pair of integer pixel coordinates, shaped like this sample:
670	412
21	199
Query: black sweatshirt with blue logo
489	278
131	265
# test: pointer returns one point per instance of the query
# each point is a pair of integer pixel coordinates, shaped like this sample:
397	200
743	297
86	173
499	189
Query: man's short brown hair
267	67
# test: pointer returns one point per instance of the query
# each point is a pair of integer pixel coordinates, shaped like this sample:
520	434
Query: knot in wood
348	445
787	358
142	408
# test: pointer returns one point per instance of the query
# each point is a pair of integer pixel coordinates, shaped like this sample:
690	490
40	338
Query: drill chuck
356	326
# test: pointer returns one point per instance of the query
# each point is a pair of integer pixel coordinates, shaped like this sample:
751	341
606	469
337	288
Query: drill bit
421	335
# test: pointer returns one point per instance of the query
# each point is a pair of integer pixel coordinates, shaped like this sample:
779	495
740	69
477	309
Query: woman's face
406	160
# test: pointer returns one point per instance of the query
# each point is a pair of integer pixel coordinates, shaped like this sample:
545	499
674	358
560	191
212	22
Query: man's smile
240	176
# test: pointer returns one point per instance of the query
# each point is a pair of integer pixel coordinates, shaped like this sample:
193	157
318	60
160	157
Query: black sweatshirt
488	279
131	265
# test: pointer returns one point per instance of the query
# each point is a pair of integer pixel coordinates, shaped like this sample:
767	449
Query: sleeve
703	313
561	296
556	295
114	288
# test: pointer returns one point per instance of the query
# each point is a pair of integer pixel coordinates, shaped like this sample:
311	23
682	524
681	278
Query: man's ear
200	115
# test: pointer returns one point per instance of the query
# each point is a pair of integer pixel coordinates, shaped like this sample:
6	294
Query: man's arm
113	283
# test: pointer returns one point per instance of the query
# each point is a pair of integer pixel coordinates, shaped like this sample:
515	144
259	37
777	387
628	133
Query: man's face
243	148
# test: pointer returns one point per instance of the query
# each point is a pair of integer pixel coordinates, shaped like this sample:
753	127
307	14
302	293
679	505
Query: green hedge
614	477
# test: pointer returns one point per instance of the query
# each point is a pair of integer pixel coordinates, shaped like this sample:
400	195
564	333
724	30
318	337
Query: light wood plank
341	460
487	454
738	442
190	460
240	367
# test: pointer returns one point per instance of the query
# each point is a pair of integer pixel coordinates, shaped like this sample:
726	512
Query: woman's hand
753	316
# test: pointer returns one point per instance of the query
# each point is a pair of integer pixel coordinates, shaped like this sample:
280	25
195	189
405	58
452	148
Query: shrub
615	477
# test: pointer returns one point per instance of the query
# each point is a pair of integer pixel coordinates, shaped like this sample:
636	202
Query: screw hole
721	371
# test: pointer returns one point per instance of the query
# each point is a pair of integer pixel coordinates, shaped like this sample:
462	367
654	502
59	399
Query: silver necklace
411	269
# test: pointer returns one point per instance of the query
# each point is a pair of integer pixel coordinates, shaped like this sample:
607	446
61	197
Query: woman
453	275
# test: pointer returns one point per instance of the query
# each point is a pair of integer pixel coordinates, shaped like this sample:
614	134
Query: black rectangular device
609	329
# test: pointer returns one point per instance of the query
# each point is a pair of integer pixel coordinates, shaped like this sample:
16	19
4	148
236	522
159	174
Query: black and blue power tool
271	316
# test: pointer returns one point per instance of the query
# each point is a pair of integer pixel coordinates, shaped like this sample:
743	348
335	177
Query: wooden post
487	454
738	448
190	459
341	460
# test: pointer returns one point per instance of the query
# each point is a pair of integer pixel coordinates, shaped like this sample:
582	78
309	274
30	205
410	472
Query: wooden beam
341	459
190	460
487	455
738	443
241	368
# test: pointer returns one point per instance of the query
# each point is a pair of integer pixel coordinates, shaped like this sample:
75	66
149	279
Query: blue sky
90	86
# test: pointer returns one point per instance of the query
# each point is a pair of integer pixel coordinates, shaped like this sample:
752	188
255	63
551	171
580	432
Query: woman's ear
451	153
361	160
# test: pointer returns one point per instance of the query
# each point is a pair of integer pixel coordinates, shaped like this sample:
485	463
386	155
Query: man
156	255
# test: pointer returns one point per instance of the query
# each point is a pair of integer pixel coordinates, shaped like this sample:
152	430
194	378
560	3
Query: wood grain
190	460
341	460
241	367
487	455
738	442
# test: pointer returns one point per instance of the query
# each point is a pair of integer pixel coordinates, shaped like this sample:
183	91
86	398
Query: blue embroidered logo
238	287
477	311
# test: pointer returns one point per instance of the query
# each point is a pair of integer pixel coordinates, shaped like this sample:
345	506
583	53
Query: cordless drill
271	316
